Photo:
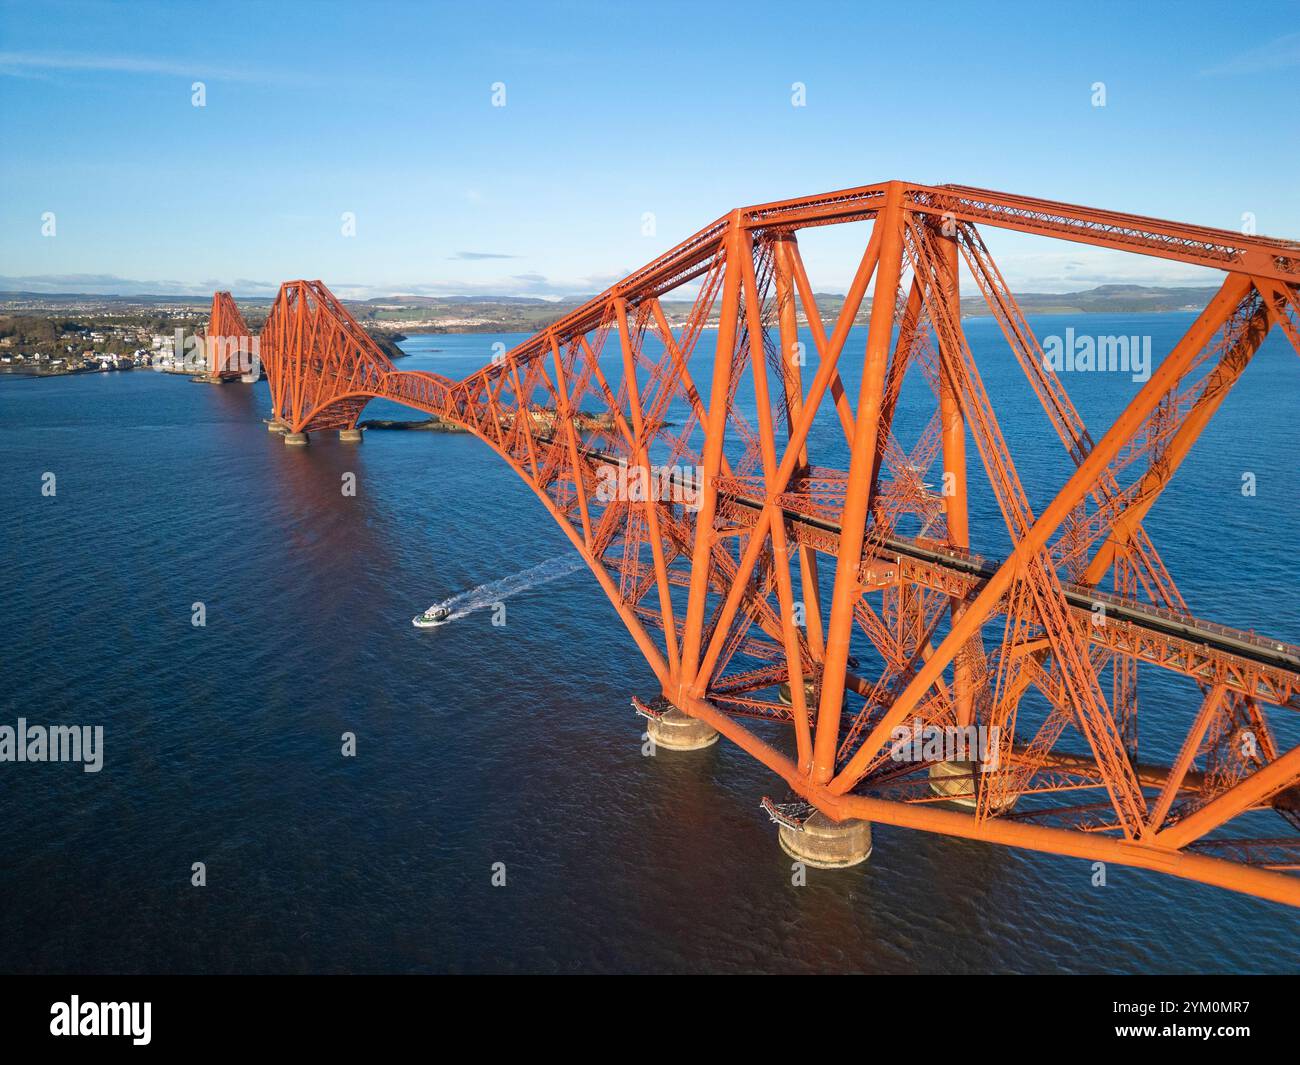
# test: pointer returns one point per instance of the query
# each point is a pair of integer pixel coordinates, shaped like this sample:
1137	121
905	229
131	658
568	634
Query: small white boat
431	618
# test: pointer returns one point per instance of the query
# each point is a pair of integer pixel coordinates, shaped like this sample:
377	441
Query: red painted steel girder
718	581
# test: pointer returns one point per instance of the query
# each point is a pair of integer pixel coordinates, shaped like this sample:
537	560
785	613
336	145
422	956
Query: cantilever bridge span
808	611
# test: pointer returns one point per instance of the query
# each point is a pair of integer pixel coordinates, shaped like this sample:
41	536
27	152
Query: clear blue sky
612	111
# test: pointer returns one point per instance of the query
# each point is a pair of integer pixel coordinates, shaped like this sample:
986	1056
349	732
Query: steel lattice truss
754	577
228	338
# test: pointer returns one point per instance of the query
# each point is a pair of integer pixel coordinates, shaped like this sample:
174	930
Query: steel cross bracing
808	607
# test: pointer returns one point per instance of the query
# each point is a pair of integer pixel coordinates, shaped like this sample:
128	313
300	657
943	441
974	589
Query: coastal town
43	345
159	354
54	338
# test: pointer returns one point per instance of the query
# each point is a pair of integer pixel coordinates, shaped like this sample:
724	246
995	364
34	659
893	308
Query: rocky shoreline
432	424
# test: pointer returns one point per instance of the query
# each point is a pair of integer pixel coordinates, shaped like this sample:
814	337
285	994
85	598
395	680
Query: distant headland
400	314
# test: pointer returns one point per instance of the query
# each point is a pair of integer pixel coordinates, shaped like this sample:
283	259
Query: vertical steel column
953	426
857	500
714	438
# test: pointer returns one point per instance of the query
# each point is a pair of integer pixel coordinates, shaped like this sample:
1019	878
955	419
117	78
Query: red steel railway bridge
808	606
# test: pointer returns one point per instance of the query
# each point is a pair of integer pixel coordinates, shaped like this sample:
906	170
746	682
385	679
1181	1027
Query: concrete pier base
351	436
827	844
809	695
676	731
958	782
955	781
296	439
276	426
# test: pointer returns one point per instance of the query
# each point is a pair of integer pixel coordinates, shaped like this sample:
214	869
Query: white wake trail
486	595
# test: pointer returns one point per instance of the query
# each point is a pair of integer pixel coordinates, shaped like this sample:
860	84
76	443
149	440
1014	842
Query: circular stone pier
676	731
826	844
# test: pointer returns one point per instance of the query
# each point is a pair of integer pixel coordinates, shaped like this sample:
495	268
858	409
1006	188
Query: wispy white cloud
535	285
38	64
112	285
1274	55
473	256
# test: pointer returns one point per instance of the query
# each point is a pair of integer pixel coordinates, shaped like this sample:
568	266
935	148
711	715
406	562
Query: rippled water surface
480	744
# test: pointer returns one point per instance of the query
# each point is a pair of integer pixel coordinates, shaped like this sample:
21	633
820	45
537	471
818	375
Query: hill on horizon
506	314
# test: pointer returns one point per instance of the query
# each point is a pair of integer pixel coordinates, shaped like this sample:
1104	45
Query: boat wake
488	595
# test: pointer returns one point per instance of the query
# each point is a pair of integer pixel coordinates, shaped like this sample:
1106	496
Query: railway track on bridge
1276	654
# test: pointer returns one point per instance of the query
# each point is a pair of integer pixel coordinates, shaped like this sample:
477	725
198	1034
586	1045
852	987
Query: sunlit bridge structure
812	588
227	341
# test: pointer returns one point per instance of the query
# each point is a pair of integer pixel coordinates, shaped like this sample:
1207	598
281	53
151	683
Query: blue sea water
480	744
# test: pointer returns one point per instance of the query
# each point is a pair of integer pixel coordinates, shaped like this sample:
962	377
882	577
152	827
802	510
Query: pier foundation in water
954	781
958	782
296	439
351	436
826	844
676	731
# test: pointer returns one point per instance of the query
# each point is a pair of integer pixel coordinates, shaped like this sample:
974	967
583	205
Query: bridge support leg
276	426
826	844
676	731
296	439
352	436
